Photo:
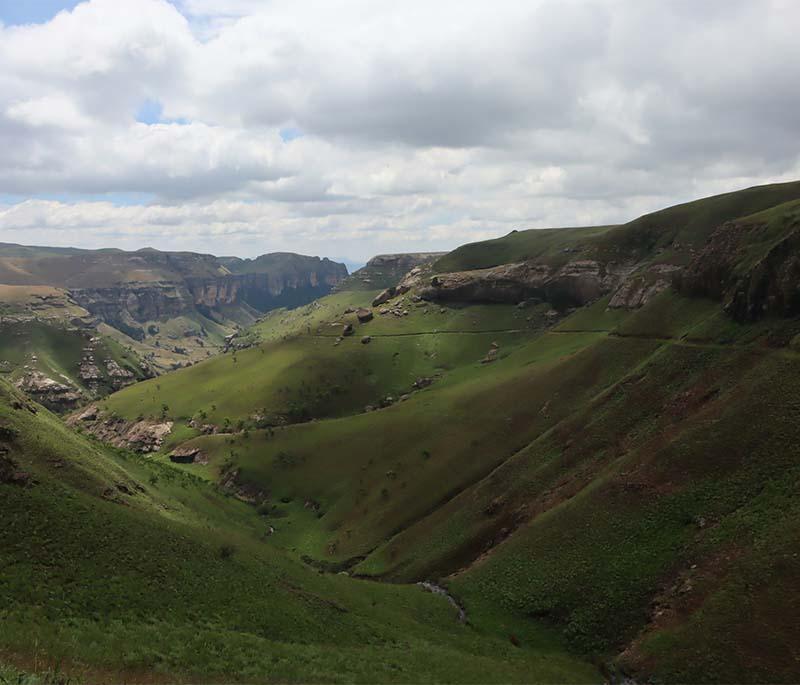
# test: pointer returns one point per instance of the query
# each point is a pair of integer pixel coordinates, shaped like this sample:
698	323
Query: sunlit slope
117	568
578	479
628	476
299	370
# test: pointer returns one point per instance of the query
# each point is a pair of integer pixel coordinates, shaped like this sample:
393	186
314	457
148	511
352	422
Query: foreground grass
119	568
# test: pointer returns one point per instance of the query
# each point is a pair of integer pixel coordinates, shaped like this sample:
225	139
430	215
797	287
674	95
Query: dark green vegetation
115	567
625	478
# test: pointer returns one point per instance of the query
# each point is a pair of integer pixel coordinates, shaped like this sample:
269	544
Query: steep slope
49	346
632	262
115	568
626	470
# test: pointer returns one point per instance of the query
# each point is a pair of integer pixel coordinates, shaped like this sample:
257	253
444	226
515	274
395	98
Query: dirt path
414	333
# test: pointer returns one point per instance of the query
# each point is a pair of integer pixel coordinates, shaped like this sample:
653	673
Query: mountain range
562	455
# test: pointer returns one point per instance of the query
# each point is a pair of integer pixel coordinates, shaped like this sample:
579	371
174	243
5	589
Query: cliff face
126	306
268	289
128	289
573	284
149	285
751	267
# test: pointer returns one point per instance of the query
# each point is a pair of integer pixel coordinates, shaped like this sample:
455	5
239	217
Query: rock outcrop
750	284
188	455
384	271
55	396
640	288
573	284
144	435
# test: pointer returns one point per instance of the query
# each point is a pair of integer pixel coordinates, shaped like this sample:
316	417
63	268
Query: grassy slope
298	372
662	236
58	351
108	585
690	224
595	456
540	244
629	477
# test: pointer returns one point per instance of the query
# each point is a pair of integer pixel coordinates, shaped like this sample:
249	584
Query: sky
357	127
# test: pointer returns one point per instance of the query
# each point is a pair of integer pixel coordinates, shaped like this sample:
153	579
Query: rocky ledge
144	435
573	284
750	286
55	396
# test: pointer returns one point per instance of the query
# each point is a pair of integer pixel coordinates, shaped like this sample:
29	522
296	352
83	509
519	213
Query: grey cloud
440	122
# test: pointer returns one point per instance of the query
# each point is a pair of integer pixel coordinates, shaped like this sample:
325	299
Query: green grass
298	372
691	224
59	351
617	485
664	236
581	462
104	584
554	245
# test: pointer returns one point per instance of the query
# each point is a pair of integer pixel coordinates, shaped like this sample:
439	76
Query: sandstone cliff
751	266
127	289
571	285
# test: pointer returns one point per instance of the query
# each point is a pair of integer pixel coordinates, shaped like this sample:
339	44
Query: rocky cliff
384	271
752	266
269	282
574	284
128	289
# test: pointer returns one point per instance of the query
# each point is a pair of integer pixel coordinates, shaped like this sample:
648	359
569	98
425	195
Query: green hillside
115	567
608	485
548	244
300	371
664	235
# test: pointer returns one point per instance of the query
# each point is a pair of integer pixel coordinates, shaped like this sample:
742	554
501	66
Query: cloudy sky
351	127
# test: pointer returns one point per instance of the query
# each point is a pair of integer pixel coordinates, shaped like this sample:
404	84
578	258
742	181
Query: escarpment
750	269
573	284
127	289
265	290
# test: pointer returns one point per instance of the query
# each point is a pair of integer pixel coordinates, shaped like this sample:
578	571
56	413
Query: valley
561	455
140	314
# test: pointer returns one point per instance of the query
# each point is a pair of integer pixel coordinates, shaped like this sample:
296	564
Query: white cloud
422	124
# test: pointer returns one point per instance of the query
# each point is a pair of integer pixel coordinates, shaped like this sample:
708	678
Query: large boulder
364	315
384	296
186	454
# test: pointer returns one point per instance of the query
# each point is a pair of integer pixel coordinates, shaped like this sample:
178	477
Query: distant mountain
167	309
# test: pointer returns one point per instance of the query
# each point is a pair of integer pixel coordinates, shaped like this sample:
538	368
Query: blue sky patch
150	112
119	199
290	133
15	12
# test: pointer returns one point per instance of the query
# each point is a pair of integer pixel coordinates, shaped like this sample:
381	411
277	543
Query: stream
439	590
